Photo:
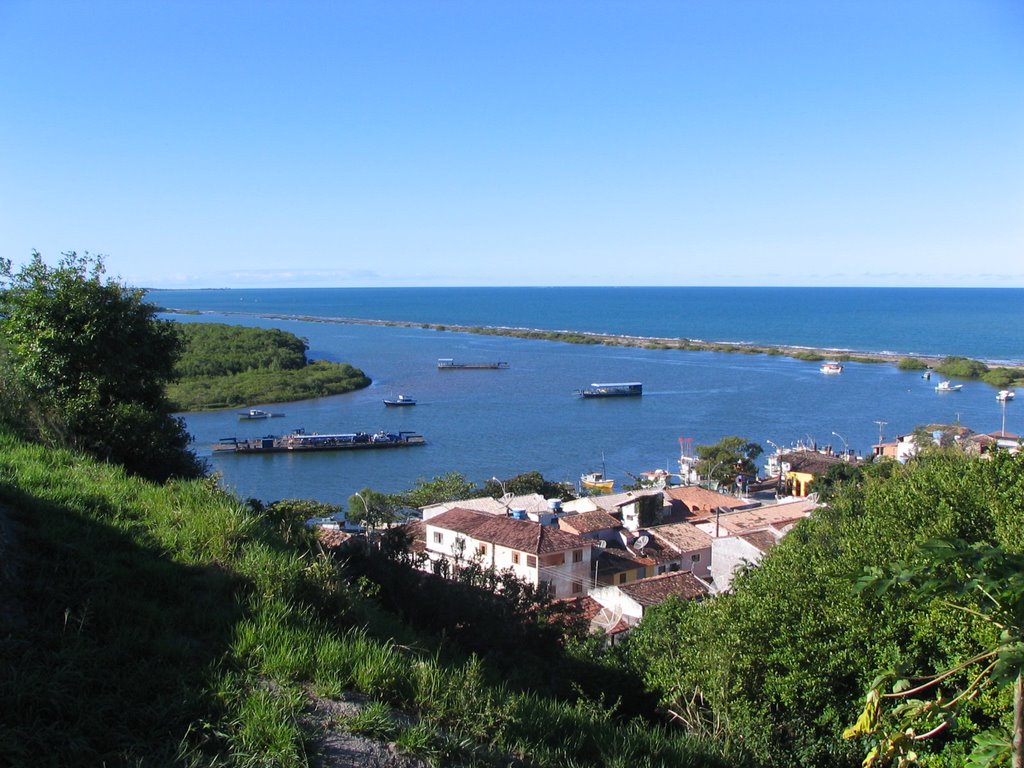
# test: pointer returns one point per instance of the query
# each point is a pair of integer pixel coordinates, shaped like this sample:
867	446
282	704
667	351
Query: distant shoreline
808	354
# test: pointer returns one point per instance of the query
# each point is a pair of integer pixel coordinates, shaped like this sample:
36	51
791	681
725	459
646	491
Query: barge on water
448	364
625	389
299	441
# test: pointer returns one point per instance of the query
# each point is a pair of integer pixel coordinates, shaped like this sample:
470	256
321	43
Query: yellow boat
596	481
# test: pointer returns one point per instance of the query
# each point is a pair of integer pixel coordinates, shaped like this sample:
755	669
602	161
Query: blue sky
236	144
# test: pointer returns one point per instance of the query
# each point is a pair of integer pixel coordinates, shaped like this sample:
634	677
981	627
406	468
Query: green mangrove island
227	366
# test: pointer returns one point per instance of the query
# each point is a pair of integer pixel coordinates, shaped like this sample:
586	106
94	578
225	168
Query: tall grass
161	625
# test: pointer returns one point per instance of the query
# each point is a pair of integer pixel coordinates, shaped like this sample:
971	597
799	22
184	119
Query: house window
515	558
641	573
695	558
622	578
481	550
531	561
577	587
577	555
438	537
661	569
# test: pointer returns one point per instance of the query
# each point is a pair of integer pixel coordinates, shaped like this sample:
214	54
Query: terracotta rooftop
761	540
698	499
811	462
588	522
657	589
520	535
613	502
776	515
682	536
332	538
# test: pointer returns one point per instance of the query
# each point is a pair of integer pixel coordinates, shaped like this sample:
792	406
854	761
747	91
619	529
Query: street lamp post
504	495
846	446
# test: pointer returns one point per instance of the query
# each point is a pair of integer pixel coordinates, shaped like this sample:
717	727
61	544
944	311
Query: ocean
499	423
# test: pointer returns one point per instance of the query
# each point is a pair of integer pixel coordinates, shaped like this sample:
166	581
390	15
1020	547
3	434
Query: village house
636	509
730	553
800	468
781	516
623	606
693	501
542	555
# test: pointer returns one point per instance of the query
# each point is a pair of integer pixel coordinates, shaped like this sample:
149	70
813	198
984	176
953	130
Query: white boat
831	368
255	414
1005	394
400	400
947	386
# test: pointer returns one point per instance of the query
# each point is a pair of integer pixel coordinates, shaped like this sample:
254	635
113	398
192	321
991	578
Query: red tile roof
682	536
588	522
656	589
520	535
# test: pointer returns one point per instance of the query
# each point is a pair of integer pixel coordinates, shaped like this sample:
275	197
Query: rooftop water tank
518	514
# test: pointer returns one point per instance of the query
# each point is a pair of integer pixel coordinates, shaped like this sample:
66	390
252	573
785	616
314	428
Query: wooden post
1017	760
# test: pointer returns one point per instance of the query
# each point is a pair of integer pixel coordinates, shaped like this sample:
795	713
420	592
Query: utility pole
881	425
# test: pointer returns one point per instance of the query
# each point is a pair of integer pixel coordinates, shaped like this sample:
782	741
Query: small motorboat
1005	395
831	368
255	414
947	386
399	401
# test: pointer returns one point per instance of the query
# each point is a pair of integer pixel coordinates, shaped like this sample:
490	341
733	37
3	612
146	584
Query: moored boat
948	386
596	481
300	441
1005	394
255	414
623	389
448	364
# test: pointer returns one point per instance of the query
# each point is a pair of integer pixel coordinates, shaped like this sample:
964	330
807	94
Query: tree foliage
979	582
91	362
452	486
725	460
218	349
229	366
371	508
779	664
525	484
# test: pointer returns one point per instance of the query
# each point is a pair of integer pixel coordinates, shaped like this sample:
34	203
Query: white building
538	554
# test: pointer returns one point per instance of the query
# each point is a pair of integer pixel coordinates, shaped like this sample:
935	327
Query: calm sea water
501	423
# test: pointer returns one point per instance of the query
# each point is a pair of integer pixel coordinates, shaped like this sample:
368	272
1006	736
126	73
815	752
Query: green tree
527	483
372	509
731	456
780	663
978	582
452	486
93	361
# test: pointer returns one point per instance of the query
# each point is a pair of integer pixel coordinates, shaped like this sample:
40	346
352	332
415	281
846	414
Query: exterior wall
729	553
613	599
701	567
567	577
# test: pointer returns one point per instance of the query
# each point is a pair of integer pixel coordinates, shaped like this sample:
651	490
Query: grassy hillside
156	625
228	366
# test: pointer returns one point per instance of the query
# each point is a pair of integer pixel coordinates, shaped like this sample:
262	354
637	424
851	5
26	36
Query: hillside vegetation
227	366
781	665
157	625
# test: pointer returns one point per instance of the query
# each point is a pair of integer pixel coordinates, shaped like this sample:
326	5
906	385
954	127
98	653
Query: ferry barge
299	442
448	364
624	389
